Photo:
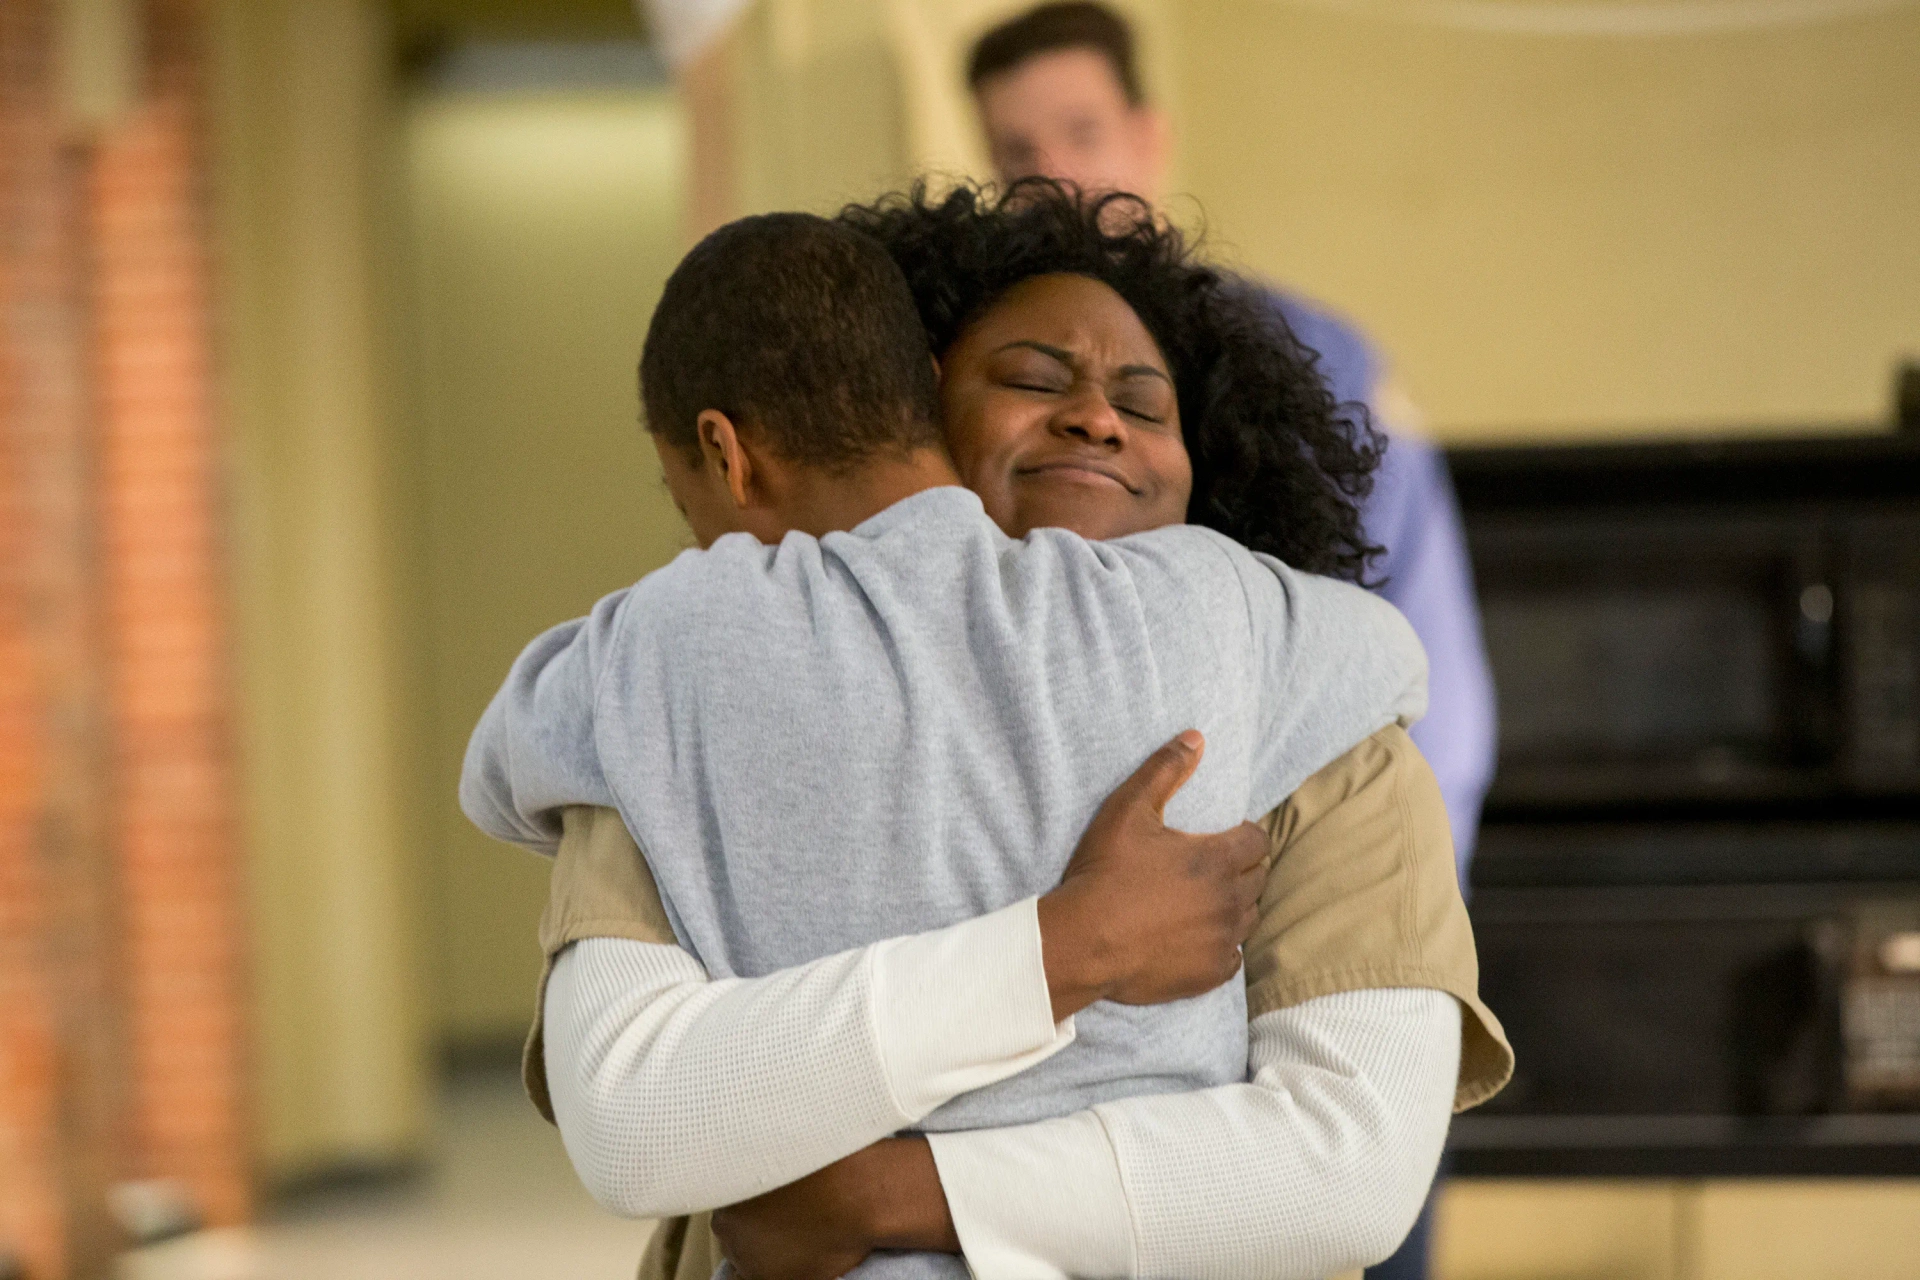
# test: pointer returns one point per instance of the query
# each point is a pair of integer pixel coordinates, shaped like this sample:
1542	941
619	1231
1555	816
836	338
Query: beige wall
1553	235
323	568
541	230
430	314
1565	234
817	106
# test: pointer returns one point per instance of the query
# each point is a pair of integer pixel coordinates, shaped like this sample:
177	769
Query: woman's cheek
996	489
1176	465
967	416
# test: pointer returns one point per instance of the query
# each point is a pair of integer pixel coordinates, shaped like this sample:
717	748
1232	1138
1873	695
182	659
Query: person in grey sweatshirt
861	661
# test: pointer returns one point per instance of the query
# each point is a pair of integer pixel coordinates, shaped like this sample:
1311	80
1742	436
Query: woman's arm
674	1092
1318	1164
1361	899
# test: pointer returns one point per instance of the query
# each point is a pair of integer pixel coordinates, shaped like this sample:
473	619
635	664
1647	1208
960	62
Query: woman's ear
722	452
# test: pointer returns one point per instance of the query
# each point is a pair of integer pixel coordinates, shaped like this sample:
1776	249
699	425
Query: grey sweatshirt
833	741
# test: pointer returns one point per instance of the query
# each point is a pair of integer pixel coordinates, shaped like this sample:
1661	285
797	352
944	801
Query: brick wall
168	660
121	1028
59	1115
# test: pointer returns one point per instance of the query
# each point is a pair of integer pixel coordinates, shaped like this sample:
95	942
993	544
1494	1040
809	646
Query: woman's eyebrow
1066	357
1056	353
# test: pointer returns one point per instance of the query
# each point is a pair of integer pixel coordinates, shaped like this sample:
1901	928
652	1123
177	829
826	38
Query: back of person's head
797	327
1050	28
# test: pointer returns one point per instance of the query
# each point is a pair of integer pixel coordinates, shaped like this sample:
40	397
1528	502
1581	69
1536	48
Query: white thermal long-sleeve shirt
676	1093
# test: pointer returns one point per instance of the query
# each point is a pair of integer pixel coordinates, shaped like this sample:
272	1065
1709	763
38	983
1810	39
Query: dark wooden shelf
1856	465
1685	1146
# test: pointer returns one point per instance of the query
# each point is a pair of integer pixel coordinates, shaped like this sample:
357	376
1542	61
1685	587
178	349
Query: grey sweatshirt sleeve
1334	663
533	752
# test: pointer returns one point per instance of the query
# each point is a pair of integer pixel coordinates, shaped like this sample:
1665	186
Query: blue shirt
1412	512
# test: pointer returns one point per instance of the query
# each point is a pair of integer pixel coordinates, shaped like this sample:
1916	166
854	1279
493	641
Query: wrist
908	1207
1078	966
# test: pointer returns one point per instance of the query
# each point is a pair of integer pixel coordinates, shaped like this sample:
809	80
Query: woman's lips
1080	471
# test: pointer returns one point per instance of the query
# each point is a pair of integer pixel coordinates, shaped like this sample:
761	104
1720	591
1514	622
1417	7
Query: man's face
1064	115
699	493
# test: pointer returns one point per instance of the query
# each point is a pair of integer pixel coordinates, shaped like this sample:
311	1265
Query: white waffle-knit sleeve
676	1093
1318	1165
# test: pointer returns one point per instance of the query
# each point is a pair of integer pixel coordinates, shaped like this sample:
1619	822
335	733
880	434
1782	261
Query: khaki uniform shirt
1360	893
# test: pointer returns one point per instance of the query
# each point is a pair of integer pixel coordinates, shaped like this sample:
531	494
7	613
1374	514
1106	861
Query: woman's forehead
1077	313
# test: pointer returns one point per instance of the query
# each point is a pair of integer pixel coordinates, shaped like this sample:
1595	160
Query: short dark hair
799	327
1278	466
1049	28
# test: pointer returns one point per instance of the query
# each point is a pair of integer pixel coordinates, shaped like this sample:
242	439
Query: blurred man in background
1059	95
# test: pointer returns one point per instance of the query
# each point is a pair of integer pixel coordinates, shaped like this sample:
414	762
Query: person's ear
722	451
1153	136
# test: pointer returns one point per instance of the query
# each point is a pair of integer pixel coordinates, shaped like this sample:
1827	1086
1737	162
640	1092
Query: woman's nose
1089	416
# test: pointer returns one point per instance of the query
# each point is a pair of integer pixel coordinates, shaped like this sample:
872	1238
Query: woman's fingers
1144	913
1250	884
1249	844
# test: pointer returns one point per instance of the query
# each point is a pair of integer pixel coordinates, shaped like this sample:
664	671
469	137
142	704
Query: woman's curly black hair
1277	465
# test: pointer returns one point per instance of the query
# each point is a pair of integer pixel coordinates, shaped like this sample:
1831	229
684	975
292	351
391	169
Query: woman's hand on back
886	1196
1145	914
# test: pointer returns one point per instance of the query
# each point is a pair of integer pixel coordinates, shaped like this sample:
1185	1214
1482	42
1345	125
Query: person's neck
822	502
